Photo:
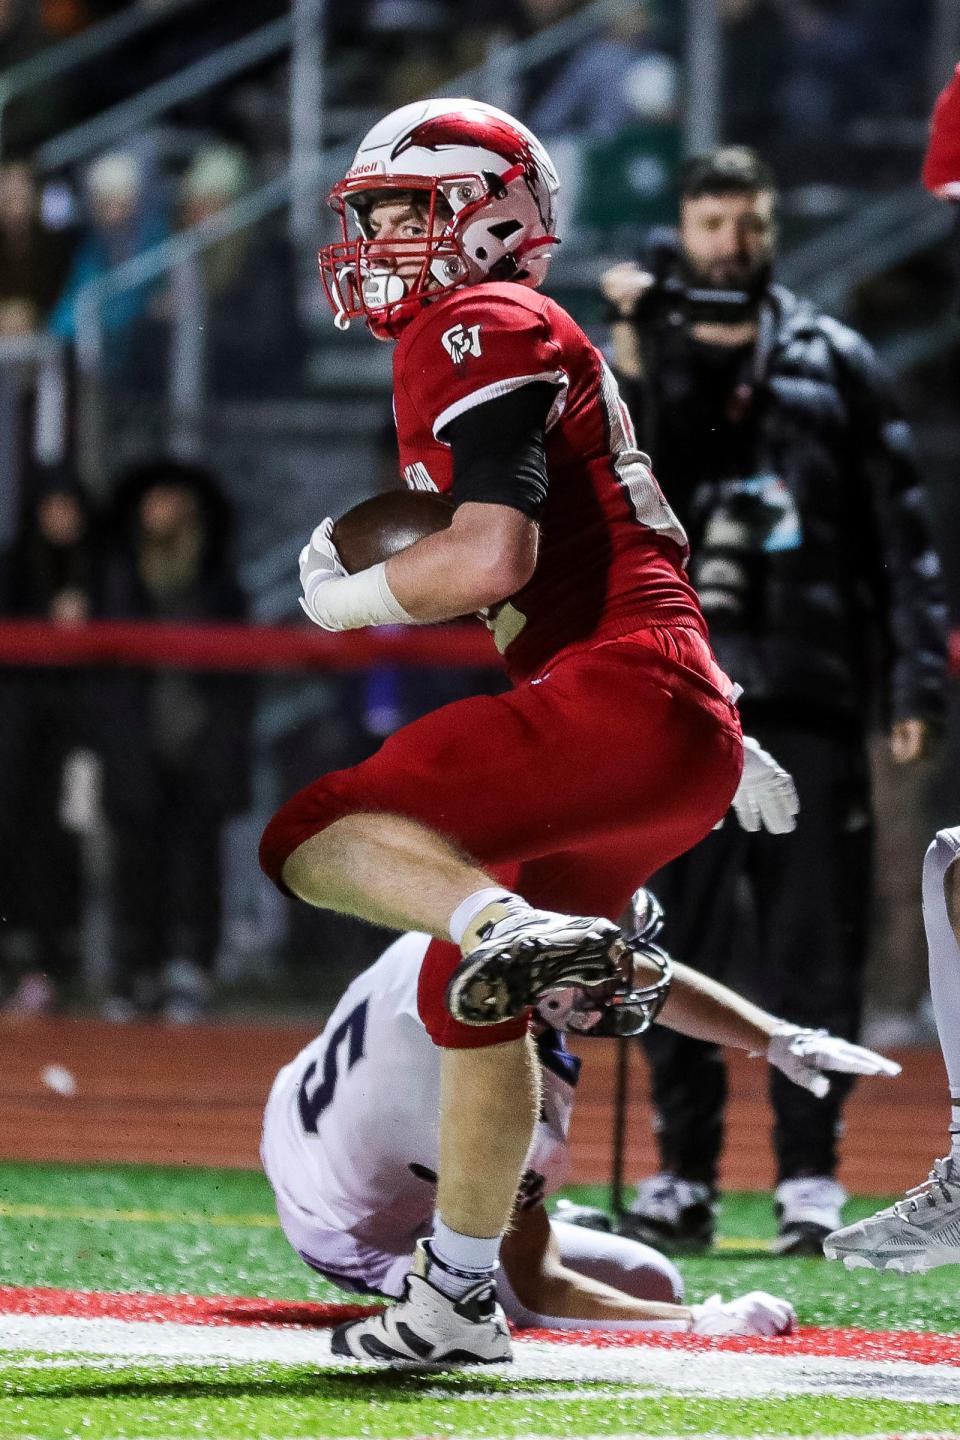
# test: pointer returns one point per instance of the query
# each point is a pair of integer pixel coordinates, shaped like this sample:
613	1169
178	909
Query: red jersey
612	553
941	165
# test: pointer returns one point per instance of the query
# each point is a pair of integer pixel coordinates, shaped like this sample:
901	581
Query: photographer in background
777	441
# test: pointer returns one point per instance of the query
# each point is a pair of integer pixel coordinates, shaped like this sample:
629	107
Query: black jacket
796	477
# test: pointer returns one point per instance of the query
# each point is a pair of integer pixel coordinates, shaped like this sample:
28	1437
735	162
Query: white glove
766	796
319	564
755	1314
335	600
803	1055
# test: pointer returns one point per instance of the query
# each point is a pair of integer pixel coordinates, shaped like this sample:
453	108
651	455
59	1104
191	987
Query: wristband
350	602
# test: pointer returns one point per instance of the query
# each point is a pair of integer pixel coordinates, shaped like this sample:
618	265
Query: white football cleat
428	1330
918	1233
525	954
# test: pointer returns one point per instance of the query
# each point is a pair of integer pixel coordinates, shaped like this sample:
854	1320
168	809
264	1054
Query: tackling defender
351	1149
484	824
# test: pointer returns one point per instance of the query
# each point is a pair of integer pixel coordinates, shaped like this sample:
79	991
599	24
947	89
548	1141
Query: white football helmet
480	171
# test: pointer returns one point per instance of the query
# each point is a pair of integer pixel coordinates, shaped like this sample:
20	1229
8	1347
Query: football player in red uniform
619	746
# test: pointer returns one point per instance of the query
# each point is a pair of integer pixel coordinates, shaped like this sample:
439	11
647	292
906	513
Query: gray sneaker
918	1233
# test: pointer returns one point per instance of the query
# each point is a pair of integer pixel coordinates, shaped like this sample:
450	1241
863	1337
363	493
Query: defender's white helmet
499	186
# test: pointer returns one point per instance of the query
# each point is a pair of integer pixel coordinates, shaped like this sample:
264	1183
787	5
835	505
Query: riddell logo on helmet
369	167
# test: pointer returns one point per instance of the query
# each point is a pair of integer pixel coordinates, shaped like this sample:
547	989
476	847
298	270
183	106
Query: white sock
470	908
955	1131
460	1261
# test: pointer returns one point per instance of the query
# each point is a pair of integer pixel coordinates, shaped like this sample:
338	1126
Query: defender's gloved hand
803	1055
755	1314
766	796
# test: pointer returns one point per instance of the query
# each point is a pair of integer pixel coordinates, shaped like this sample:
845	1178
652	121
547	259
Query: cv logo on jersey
460	342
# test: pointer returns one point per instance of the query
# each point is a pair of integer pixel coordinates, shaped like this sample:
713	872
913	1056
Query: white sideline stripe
654	1371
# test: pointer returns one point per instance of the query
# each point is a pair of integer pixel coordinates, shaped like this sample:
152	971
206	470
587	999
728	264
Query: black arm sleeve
498	449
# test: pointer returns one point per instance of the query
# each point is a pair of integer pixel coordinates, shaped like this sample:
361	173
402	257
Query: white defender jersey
350	1141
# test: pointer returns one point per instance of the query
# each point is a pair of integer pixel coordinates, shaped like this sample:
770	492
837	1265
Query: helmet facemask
466	241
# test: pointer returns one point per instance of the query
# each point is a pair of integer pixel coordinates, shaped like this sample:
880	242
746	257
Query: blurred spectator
610	115
44	765
174	743
33	258
254	344
125	217
826	47
620	77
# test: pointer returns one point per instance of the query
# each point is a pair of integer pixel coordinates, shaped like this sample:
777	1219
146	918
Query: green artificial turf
258	1402
229	1244
130	1228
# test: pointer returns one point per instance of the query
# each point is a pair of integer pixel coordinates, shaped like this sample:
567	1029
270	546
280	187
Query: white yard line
647	1372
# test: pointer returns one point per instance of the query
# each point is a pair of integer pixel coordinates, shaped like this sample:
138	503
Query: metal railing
195	79
879	234
179	256
45	359
312	167
94	41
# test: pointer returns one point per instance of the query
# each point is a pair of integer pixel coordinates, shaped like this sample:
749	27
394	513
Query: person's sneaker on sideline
807	1209
919	1232
35	994
673	1215
428	1329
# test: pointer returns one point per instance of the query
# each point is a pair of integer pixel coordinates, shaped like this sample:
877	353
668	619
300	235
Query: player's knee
649	1275
304	815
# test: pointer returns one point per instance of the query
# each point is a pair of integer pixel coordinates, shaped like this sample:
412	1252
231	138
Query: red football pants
572	789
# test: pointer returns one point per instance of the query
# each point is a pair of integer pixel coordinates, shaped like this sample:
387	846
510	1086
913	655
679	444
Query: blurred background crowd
176	410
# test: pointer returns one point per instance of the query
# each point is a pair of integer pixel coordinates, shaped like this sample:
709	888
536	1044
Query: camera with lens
672	302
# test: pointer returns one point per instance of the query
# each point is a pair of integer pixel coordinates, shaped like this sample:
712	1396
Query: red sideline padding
256	647
241	647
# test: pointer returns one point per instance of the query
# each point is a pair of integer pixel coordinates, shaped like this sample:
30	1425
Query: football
377	528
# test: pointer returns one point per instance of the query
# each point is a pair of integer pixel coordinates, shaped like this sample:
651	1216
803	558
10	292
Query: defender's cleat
427	1329
673	1215
807	1209
525	954
920	1232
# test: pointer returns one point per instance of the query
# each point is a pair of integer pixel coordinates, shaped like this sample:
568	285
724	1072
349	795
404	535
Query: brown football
377	528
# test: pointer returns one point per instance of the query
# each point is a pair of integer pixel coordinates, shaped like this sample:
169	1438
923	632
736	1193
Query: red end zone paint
184	1309
914	1346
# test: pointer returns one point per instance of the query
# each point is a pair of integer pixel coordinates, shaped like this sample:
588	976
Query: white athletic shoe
919	1233
807	1210
427	1329
526	954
